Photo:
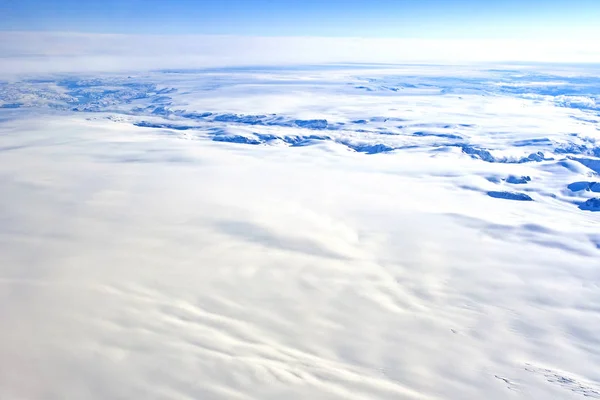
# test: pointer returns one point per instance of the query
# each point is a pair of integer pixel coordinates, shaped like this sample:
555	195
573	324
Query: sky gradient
432	19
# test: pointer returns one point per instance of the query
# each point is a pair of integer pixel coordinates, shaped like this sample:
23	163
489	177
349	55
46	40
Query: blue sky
438	19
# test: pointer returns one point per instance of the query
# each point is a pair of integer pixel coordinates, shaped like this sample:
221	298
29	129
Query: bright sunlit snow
334	232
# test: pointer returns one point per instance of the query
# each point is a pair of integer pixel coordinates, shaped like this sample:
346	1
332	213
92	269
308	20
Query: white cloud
43	52
136	264
155	263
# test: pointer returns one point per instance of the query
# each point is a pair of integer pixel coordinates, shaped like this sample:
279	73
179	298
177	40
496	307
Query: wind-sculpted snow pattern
335	232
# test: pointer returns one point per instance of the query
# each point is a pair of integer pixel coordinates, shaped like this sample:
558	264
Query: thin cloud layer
44	52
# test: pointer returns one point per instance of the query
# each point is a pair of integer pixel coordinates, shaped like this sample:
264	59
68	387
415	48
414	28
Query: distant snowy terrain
336	232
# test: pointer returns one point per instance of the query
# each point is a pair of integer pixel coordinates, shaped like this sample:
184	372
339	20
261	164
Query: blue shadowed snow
160	111
591	163
293	140
302	139
578	149
311	123
241	119
380	132
267	137
592	204
11	105
146	124
161	100
279	121
166	91
587	186
252	120
493	179
440	135
533	157
142	96
584	119
236	139
192	115
510	196
368	148
533	142
485	155
474	152
518	180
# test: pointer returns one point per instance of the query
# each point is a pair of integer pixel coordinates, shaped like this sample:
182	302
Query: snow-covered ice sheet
340	232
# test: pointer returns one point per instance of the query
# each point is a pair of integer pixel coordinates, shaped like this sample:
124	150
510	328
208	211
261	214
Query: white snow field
334	232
